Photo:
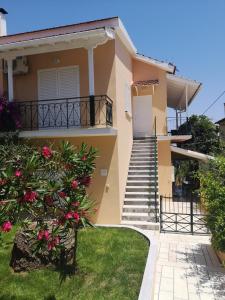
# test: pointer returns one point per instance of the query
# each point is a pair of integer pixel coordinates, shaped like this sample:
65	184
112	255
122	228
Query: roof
189	153
178	89
59	30
145	82
15	40
220	121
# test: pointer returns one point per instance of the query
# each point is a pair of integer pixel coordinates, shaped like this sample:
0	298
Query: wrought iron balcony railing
66	113
178	126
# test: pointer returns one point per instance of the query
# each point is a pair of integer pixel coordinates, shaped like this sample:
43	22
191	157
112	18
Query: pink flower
18	173
46	234
53	243
46	152
69	215
30	196
76	216
6	226
43	234
40	235
75	204
84	158
50	246
86	181
62	195
74	184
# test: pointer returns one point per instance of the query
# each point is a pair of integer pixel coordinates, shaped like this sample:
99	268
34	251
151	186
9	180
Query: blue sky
189	33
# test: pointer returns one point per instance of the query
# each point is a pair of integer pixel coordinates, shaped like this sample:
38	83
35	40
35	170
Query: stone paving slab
188	269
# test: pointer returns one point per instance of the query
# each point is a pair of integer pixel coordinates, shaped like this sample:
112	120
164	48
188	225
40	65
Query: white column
10	79
91	71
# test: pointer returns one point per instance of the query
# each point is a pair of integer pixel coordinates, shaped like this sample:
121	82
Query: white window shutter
47	85
68	82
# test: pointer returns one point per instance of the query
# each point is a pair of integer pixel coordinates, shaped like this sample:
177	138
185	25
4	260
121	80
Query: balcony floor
71	132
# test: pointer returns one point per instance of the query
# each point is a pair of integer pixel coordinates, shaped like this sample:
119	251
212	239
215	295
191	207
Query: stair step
141	172
142	224
148	183
142	163
149	157
142	177
140	195
147	168
138	209
140	189
135	216
145	138
135	201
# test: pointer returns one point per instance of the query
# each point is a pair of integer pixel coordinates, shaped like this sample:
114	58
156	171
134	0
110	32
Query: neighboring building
87	83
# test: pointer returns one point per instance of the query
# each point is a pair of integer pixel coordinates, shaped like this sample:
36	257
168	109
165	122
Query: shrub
45	190
212	178
9	116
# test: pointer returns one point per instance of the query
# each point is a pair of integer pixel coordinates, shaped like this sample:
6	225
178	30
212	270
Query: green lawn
111	266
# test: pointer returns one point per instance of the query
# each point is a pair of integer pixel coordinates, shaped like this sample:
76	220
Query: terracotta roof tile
145	82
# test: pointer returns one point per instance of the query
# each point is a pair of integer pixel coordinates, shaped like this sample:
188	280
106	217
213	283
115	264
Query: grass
111	266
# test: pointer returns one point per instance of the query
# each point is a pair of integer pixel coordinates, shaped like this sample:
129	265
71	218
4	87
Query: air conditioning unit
20	66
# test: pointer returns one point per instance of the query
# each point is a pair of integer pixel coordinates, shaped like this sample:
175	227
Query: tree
212	190
44	190
204	133
205	139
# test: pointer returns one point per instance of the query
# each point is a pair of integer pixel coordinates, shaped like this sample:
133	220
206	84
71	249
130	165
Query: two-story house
87	83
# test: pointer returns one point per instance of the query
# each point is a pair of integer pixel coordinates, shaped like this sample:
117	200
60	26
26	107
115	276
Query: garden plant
44	191
212	190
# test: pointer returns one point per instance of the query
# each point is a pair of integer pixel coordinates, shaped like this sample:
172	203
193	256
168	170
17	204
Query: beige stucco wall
114	68
103	190
164	168
143	71
26	87
124	122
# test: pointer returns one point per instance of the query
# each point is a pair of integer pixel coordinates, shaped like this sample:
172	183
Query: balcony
69	113
178	126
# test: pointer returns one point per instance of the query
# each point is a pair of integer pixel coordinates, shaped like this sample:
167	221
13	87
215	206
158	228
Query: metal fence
181	215
66	113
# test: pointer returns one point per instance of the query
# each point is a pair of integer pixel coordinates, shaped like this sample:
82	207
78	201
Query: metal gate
182	216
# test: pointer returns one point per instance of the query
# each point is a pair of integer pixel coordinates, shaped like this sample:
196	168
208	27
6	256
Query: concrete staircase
139	202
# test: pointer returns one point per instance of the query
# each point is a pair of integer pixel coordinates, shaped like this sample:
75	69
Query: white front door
63	84
142	116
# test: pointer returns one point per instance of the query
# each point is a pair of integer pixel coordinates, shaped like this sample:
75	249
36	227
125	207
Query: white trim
91	76
10	80
125	38
161	65
72	132
190	153
148	280
56	43
174	138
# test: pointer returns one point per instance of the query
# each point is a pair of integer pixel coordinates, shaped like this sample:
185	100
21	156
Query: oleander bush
212	179
44	190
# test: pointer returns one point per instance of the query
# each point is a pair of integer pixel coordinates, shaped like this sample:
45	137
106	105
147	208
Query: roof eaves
169	67
60	27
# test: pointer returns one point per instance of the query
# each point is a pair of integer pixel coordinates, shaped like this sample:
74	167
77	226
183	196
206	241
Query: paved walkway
188	269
